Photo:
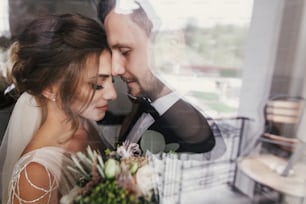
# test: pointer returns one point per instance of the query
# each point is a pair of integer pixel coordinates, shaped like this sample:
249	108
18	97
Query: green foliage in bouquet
107	192
124	178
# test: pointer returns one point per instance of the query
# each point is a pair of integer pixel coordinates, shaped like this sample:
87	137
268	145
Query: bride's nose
109	92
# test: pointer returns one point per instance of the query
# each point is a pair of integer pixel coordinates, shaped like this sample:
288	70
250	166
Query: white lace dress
55	160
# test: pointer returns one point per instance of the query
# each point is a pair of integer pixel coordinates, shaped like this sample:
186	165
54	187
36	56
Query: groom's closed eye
124	51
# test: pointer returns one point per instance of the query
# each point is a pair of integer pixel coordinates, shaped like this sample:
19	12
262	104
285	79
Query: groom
128	34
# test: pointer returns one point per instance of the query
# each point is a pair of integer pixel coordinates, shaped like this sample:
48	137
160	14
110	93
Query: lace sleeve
33	184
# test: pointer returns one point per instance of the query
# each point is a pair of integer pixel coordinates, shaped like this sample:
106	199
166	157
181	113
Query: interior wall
21	12
289	70
299	65
287	77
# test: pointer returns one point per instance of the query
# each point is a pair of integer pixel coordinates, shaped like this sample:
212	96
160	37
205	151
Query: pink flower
128	150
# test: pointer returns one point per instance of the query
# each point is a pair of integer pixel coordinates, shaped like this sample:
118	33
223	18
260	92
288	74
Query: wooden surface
266	169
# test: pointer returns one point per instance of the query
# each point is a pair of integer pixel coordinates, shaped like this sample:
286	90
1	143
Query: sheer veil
24	121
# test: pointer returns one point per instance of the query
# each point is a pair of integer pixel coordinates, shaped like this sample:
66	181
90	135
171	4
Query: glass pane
4	20
4	35
200	51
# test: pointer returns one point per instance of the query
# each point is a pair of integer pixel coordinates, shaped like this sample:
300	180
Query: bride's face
102	86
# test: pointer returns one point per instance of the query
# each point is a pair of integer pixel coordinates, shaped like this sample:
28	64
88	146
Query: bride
61	66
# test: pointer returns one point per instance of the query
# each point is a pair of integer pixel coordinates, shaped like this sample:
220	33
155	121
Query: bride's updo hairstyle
54	50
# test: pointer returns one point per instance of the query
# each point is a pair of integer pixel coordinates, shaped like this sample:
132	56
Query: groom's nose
117	65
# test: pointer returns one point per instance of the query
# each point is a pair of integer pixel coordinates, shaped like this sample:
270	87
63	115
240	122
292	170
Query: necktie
145	105
148	108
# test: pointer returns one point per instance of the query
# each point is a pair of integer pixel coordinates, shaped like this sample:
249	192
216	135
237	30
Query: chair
282	117
284	174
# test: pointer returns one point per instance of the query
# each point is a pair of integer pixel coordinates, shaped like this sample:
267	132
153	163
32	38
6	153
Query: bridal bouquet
124	176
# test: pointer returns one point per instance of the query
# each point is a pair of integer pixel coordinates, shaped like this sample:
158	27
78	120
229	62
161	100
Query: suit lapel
130	121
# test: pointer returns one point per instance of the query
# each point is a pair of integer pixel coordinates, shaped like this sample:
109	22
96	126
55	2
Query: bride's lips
104	108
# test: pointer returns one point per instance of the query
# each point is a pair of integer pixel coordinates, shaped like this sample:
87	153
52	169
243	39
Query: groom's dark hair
139	16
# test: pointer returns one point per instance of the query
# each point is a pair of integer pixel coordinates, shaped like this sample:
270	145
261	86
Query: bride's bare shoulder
35	183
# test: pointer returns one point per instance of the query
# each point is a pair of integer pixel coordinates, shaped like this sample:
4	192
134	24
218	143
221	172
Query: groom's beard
153	91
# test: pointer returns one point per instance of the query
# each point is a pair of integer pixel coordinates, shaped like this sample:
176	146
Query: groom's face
130	53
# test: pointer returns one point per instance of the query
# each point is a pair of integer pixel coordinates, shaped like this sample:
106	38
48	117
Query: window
4	33
4	19
200	52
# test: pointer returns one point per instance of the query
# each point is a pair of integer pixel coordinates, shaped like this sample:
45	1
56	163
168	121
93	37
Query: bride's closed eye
100	84
96	86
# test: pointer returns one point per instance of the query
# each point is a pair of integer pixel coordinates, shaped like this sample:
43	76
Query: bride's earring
49	95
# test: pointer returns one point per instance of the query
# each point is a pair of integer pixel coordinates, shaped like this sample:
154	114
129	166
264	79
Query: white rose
145	178
69	198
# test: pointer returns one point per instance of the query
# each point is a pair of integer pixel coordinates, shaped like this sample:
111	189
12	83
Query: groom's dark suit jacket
182	124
